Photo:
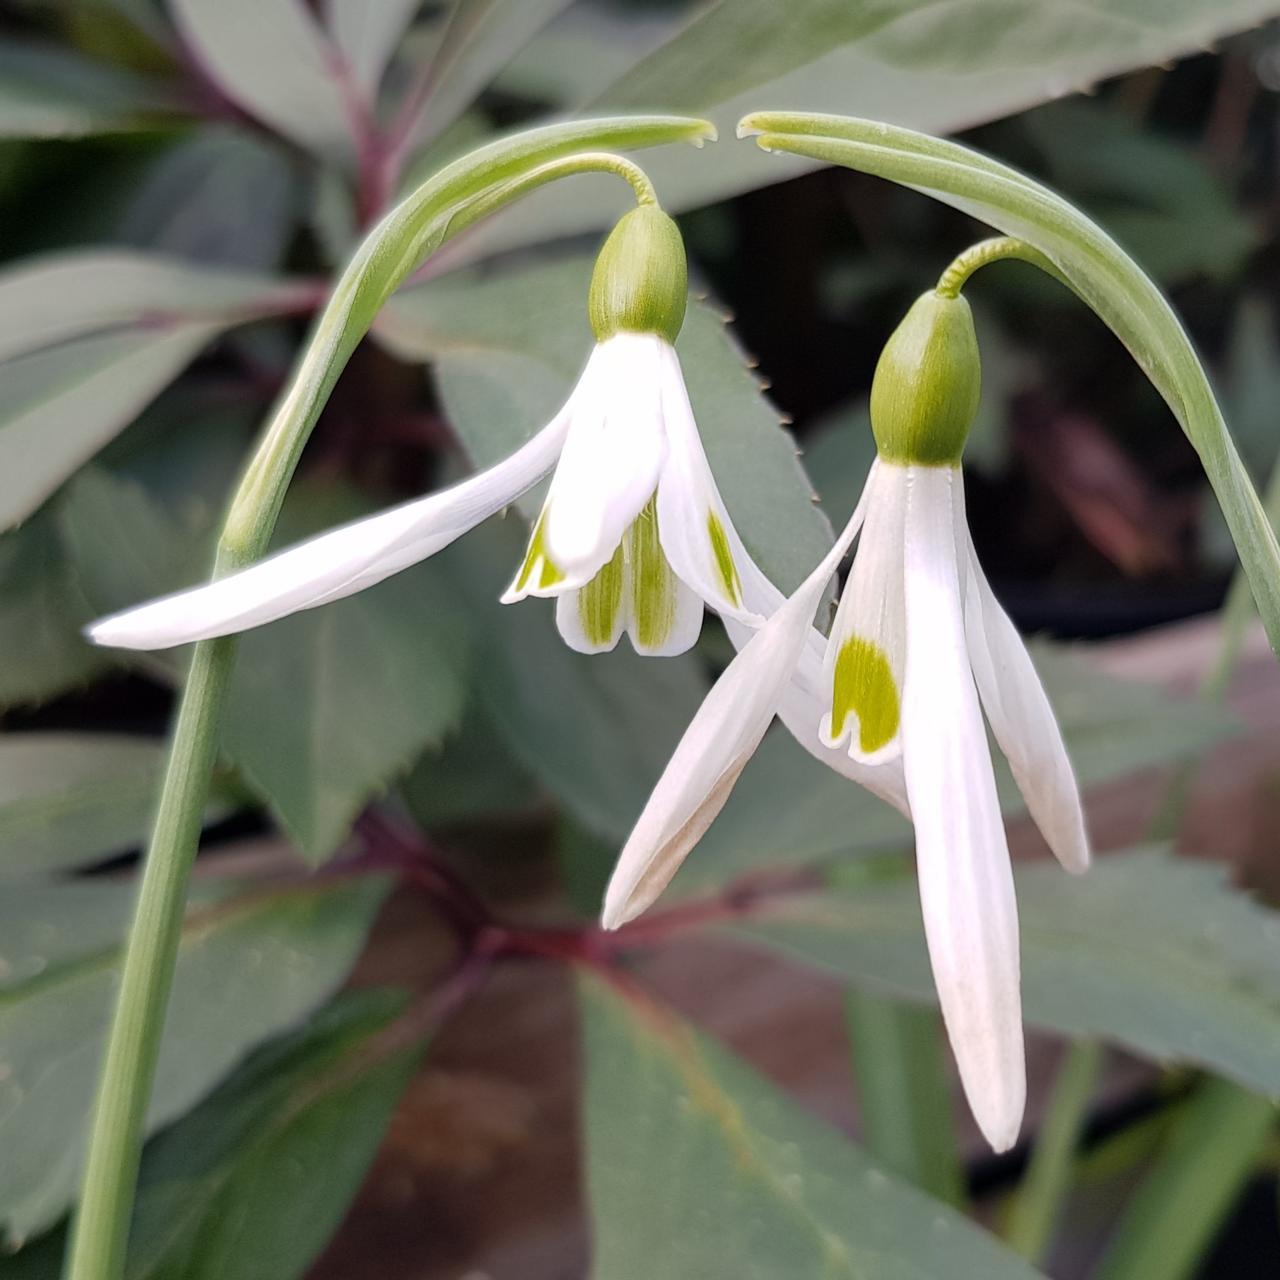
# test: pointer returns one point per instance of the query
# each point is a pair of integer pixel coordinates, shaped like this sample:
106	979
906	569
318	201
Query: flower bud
925	392
641	280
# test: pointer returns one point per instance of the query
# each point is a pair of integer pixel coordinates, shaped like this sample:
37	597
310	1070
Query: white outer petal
335	564
1022	720
966	881
612	456
687	495
716	746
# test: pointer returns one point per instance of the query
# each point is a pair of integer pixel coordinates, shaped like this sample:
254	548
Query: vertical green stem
465	190
1034	1213
903	1090
100	1231
1183	1200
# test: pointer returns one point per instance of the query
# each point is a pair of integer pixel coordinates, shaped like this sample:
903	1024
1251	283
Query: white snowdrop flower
919	648
634	535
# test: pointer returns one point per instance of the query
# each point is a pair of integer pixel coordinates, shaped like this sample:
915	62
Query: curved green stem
1089	261
484	180
985	252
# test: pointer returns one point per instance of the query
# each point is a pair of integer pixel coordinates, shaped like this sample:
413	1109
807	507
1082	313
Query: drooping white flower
633	536
919	648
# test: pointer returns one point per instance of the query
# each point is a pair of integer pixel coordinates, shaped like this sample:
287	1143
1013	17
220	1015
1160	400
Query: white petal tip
1004	1138
747	129
615	915
109	634
998	1108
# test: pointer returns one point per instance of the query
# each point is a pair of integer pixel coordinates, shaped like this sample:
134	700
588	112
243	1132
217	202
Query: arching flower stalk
919	648
633	536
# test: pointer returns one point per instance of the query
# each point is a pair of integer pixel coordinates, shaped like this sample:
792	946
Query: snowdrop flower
633	535
918	649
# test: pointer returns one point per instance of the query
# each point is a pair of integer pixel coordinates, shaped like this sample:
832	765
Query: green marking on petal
864	684
728	571
537	551
600	600
653	585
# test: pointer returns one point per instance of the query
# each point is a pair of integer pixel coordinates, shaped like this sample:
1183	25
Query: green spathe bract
925	392
641	280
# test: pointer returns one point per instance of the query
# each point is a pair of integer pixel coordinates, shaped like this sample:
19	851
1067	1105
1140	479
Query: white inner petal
866	656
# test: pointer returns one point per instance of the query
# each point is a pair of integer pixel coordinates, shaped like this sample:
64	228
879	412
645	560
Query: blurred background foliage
178	183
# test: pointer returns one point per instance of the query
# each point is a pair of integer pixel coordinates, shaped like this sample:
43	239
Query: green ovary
653	586
725	567
864	684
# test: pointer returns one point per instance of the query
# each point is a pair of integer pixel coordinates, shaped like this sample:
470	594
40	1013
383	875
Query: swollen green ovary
864	685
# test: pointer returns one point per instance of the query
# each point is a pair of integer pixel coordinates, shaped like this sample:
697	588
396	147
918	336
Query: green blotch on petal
600	600
653	586
864	684
725	566
549	575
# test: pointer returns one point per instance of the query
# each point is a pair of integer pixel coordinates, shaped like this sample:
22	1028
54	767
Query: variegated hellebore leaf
507	351
90	338
60	405
83	293
478	39
39	596
217	195
935	67
252	1182
248	967
67	799
696	1165
1154	953
1090	263
272	59
366	33
51	92
326	707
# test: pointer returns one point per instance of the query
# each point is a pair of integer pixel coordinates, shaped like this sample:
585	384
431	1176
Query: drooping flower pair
633	535
919	648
